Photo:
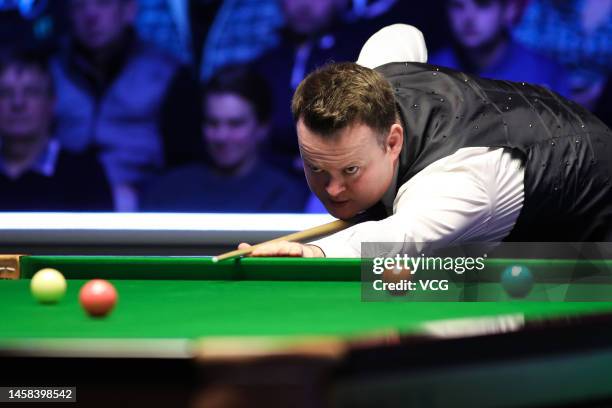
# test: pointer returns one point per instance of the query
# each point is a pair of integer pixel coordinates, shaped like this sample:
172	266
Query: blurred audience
166	24
36	174
243	30
29	24
576	32
210	34
182	27
133	103
314	206
579	34
136	106
237	110
483	45
370	16
602	106
314	34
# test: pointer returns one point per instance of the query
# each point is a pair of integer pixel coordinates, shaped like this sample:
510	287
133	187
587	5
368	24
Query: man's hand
286	248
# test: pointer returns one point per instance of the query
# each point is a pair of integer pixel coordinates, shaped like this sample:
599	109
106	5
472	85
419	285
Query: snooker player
435	156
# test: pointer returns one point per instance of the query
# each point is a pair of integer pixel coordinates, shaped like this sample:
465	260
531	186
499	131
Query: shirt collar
46	161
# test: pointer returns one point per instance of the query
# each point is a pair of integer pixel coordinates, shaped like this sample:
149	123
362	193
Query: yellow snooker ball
48	285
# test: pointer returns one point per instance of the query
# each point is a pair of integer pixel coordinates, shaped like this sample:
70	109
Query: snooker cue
307	234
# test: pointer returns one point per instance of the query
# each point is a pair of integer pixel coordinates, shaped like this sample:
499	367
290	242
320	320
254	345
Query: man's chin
343	212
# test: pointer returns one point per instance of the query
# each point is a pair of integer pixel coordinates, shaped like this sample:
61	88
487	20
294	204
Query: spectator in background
576	32
313	35
25	24
483	45
236	108
166	24
210	34
372	15
182	26
36	174
579	34
120	95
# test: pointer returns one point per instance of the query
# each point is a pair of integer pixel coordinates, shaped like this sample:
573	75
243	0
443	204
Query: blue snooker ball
517	281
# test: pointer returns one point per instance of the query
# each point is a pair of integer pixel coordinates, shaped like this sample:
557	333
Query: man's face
477	23
350	172
231	129
26	102
99	23
307	17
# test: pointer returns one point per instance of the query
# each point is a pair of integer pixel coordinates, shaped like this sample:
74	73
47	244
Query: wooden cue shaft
307	234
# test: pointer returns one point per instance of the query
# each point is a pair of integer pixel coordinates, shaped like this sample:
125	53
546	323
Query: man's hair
243	81
344	94
27	59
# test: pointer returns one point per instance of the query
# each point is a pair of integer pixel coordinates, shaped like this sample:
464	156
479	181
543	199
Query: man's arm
439	208
474	195
394	43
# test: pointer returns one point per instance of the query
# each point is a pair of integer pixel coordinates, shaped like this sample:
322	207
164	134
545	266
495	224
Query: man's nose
335	186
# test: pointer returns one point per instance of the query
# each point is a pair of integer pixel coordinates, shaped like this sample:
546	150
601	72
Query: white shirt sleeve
394	43
474	195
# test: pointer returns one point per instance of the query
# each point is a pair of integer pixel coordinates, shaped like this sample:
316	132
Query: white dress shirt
473	195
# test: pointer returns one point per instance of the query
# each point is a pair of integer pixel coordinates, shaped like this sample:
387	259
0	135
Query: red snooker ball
98	297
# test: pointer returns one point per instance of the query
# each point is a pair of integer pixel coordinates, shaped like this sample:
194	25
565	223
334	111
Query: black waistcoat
567	152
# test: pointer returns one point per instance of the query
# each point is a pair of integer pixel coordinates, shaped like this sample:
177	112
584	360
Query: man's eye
315	169
351	170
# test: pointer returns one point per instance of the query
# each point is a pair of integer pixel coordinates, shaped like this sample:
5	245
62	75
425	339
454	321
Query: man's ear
395	140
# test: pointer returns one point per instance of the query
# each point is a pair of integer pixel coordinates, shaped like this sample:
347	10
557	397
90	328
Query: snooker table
295	332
